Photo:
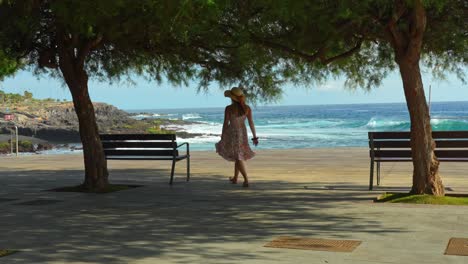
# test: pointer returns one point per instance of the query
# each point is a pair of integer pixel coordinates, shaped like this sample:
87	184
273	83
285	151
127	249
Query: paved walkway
210	221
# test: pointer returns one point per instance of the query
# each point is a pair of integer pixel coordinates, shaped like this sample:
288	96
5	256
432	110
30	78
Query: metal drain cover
457	246
314	244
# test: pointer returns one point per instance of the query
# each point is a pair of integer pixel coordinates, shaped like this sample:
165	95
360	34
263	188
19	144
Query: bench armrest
188	147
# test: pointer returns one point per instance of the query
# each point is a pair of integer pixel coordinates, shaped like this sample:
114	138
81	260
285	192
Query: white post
11	141
16	131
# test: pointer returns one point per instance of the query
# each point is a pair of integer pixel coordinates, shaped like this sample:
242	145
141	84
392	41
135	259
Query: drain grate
457	246
39	202
314	244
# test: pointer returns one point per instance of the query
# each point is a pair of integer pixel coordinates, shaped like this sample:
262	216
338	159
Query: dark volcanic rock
57	122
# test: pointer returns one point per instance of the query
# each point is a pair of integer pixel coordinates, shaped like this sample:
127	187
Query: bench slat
407	153
410	159
139	144
178	158
140	152
406	144
406	134
138	136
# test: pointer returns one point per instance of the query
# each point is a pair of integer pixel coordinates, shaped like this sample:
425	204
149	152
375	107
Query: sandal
232	180
245	184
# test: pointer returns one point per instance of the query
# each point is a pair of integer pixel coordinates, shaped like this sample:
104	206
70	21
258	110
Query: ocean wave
191	116
207	128
386	124
302	123
150	116
203	139
449	124
440	124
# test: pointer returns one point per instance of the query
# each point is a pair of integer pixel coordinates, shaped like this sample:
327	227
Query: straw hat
235	94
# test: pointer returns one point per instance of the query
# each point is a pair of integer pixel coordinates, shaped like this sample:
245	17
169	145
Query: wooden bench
451	146
145	147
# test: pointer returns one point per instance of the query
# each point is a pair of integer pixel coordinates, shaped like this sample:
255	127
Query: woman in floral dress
234	144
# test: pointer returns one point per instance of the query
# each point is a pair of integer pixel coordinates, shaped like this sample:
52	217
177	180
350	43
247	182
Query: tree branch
47	59
87	47
417	27
397	39
286	49
346	54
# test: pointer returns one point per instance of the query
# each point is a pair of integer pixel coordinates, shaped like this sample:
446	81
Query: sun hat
235	94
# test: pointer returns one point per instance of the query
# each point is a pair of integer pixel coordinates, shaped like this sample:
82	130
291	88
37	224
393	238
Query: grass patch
81	188
6	252
422	199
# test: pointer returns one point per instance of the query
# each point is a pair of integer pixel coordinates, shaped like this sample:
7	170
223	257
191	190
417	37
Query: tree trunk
426	179
96	174
406	39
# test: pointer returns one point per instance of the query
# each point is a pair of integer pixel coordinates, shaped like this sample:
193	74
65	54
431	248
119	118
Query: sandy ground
330	166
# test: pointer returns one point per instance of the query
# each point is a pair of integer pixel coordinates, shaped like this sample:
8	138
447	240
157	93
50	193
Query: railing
16	140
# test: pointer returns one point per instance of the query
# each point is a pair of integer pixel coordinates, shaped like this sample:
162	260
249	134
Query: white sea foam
382	123
150	116
209	128
191	116
203	139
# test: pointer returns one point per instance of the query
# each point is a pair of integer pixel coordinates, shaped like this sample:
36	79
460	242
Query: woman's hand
255	141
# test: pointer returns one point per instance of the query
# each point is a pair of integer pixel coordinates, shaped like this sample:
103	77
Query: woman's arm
252	126
226	121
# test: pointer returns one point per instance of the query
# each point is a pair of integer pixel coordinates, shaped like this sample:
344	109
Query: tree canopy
351	38
176	40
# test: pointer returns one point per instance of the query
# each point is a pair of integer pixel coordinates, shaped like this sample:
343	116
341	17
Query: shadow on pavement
205	218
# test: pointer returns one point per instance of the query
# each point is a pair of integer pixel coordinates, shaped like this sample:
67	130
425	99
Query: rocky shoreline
46	124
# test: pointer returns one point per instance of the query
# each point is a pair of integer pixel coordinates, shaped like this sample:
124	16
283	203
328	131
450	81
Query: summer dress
235	144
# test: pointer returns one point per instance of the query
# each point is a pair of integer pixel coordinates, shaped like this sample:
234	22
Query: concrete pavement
209	220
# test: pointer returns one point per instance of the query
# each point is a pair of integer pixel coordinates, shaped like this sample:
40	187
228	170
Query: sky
151	95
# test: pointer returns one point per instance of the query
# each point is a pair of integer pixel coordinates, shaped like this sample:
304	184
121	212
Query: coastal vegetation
422	199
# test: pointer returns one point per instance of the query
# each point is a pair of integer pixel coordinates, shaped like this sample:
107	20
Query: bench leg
371	179
378	173
188	168
172	172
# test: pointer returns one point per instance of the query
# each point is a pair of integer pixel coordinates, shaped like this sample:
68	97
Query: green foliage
423	199
318	40
177	40
153	130
27	95
258	44
25	144
12	99
8	65
4	146
158	130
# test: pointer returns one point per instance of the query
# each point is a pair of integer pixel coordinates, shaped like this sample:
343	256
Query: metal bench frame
145	147
451	146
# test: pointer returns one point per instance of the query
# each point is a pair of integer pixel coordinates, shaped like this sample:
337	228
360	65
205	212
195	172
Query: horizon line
213	107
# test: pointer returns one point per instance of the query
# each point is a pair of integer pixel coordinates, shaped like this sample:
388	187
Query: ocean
311	126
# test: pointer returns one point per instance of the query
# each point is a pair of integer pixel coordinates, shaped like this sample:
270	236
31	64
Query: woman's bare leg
243	170
236	173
